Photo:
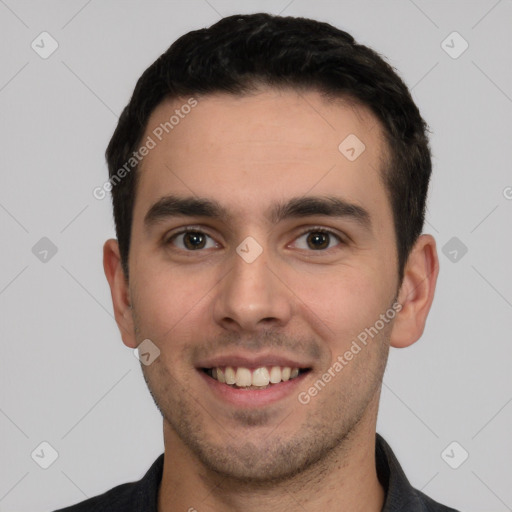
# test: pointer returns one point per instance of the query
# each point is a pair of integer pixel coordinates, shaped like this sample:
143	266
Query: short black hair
240	53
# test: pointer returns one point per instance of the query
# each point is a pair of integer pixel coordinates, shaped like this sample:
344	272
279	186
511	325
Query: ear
120	292
416	292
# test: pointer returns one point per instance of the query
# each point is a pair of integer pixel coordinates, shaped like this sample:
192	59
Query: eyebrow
330	206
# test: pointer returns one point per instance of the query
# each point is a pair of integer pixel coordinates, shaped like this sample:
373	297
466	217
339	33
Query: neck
346	480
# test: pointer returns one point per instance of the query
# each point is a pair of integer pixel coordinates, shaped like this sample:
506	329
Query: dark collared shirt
142	496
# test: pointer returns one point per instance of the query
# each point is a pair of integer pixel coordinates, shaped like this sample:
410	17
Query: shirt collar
400	495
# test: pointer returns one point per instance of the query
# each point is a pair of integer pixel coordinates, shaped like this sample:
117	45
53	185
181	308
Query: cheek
167	301
343	304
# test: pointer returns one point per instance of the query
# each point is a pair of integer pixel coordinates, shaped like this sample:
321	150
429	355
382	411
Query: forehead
263	147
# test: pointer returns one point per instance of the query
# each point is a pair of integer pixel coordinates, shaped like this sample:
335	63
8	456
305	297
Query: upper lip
251	361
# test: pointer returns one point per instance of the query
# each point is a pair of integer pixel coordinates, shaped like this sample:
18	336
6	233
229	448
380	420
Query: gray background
66	377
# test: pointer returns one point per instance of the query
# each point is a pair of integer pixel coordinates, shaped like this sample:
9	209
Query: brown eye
194	240
191	240
318	240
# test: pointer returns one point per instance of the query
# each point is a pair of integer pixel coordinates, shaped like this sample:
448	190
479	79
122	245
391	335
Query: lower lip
253	398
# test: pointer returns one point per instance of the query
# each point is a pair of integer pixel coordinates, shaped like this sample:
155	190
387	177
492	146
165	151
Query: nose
251	297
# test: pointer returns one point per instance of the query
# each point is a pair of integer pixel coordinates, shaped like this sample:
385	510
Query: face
260	249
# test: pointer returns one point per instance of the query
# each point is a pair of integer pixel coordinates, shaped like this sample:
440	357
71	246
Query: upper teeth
245	377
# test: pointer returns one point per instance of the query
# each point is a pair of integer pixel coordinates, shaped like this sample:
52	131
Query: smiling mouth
256	378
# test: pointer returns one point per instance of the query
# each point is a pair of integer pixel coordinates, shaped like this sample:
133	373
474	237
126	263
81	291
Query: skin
248	153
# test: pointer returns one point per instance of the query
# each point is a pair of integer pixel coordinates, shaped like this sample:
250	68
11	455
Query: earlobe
416	292
119	291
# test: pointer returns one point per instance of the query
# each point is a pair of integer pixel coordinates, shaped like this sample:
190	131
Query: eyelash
314	229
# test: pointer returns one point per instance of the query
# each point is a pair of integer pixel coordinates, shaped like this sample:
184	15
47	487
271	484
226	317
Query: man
269	179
